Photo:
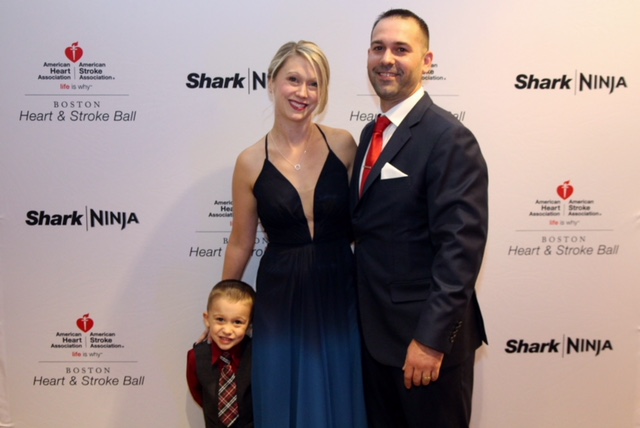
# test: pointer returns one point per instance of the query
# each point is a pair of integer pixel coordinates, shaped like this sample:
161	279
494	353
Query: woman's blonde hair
312	53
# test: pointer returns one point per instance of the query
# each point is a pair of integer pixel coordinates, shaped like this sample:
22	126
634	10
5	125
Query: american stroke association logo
567	210
89	219
564	224
84	323
74	52
87	346
76	75
565	190
85	342
81	73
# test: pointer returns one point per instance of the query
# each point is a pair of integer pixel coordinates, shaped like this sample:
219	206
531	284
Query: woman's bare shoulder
341	142
337	136
250	160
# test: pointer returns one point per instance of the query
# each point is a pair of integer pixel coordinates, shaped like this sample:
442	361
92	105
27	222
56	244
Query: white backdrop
115	193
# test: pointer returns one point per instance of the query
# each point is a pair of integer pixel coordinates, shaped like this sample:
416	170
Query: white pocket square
390	171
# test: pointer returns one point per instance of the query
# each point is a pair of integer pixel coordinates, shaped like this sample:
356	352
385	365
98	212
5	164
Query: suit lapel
400	137
365	140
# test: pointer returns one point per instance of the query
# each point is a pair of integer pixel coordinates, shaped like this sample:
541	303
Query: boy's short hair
234	290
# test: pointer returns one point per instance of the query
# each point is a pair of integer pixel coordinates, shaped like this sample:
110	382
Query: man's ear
428	62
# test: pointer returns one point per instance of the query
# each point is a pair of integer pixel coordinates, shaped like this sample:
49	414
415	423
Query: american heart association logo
74	52
85	323
565	190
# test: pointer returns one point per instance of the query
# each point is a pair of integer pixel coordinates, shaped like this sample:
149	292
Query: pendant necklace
295	166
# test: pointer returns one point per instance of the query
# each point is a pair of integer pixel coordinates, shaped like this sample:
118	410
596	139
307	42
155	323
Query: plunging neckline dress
306	340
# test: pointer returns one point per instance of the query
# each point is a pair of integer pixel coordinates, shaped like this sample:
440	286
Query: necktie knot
381	124
225	358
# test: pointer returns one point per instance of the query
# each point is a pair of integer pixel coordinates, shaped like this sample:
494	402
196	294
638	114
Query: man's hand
422	365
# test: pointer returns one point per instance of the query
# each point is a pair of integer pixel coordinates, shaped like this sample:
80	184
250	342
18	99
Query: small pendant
297	167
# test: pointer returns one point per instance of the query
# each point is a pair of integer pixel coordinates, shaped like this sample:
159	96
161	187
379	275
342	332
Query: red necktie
374	150
227	392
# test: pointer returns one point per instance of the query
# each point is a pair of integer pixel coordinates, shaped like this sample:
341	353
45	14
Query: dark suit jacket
420	239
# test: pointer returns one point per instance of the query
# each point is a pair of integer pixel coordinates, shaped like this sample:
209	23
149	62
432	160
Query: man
420	227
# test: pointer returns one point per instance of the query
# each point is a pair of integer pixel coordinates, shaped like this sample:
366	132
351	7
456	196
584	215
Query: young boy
223	361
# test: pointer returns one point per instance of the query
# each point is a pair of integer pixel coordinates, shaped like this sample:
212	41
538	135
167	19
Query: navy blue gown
306	340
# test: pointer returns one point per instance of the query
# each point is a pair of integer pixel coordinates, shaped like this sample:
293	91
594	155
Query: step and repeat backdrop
120	123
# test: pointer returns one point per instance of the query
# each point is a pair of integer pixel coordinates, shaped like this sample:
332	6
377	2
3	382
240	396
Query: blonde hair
312	53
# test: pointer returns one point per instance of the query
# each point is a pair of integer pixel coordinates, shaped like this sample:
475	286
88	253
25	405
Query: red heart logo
85	323
74	52
565	190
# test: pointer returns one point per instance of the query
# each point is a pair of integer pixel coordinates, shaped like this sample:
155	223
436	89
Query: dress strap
323	136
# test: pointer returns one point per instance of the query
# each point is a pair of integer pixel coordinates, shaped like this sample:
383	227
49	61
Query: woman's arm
245	218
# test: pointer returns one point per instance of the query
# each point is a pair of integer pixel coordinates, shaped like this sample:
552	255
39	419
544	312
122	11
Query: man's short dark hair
405	14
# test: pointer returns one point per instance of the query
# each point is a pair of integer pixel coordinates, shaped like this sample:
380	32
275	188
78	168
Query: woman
295	181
